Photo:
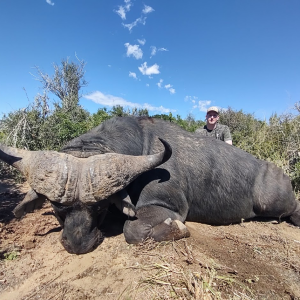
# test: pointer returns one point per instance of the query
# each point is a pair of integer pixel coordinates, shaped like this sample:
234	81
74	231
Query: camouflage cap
213	108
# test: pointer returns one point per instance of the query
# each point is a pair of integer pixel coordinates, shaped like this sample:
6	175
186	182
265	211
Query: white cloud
50	2
160	83
132	74
145	70
110	100
103	99
128	4
122	10
170	88
147	84
160	109
147	9
142	42
154	50
141	20
192	99
134	50
202	105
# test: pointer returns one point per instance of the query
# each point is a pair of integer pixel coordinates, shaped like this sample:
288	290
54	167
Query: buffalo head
79	188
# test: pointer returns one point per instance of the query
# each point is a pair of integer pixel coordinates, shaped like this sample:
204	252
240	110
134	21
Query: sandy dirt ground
252	260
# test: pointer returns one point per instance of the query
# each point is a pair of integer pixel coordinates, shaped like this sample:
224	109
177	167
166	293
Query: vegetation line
48	124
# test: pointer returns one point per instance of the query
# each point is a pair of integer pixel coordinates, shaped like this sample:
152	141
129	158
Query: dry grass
170	270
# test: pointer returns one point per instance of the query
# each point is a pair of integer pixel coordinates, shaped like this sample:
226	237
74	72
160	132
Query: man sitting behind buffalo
213	128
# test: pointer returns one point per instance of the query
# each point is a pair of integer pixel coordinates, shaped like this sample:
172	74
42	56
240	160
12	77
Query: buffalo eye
61	211
99	207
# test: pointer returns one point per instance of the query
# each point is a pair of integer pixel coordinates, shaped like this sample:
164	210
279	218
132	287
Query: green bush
277	141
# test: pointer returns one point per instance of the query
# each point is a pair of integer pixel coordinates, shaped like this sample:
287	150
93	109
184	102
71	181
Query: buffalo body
205	180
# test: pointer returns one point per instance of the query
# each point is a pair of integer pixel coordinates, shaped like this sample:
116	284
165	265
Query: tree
37	126
66	82
189	123
118	111
142	112
23	128
97	118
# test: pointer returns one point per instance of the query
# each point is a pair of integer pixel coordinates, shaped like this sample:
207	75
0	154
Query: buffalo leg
155	222
123	202
31	201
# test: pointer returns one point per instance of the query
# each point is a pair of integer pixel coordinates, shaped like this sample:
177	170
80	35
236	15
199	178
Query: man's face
212	117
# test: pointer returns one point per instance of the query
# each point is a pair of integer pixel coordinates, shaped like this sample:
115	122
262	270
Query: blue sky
167	56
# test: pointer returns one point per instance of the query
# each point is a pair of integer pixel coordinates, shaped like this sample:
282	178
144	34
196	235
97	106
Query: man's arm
227	136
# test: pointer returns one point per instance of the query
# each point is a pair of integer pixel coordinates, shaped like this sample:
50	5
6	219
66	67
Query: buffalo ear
31	201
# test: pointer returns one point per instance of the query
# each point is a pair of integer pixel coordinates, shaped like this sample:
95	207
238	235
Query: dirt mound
253	260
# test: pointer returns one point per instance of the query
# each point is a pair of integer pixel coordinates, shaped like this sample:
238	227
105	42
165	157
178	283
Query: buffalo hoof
129	211
169	230
136	231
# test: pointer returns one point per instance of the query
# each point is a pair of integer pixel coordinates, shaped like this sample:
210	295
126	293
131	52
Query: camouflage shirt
220	132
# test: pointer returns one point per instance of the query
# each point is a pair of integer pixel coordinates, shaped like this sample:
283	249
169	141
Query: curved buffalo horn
45	171
109	173
12	156
64	178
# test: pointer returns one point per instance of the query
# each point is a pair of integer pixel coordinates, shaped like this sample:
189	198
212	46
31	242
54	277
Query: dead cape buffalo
158	184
